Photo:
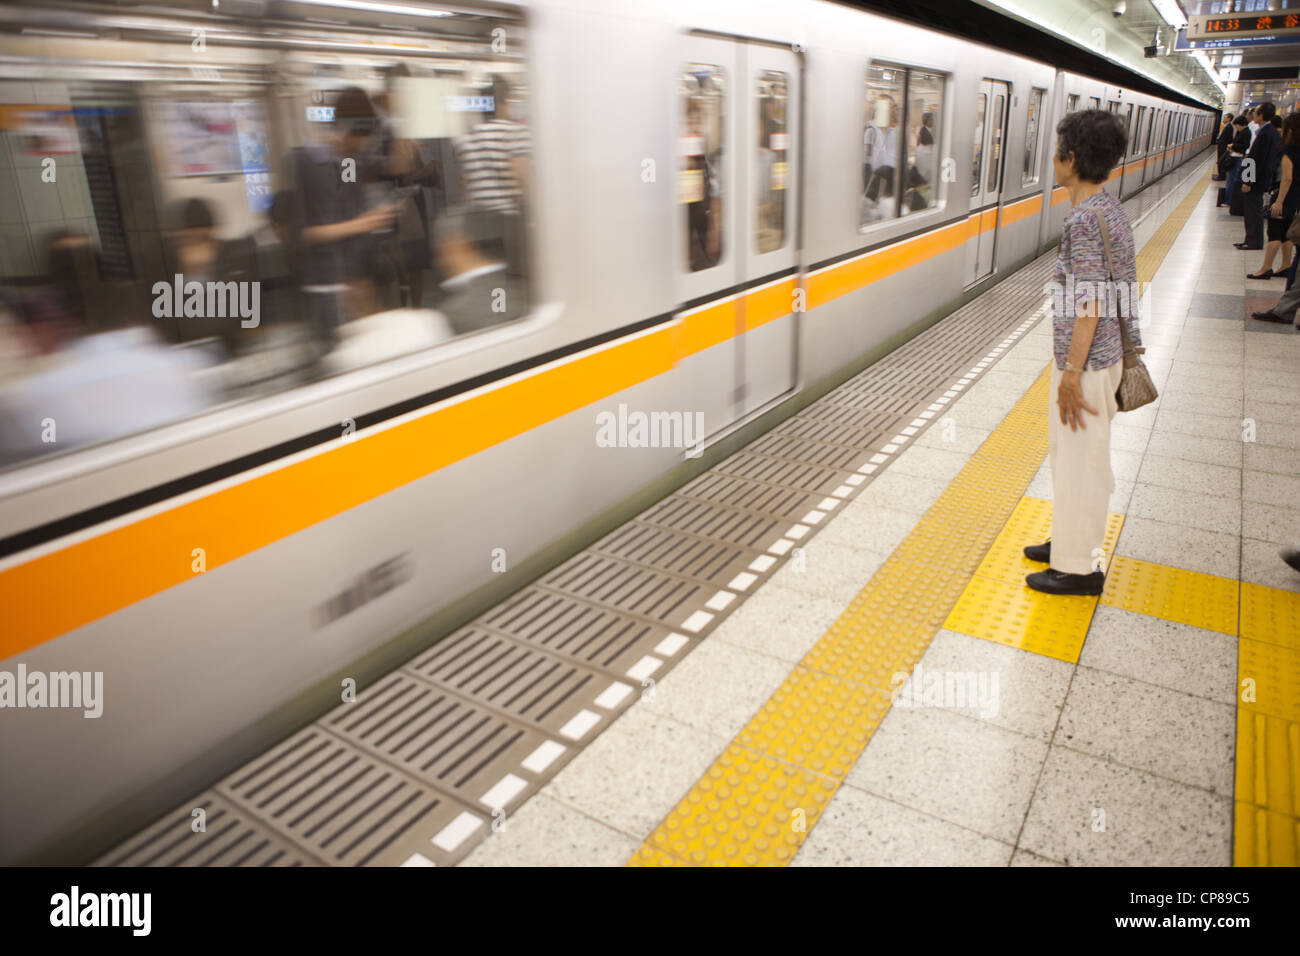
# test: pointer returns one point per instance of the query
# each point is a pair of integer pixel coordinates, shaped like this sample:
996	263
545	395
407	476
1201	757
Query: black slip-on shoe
1247	246
1268	317
1042	553
1052	581
1291	556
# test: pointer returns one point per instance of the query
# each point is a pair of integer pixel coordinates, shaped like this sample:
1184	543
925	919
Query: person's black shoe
1291	556
1268	317
1052	581
1042	553
1247	246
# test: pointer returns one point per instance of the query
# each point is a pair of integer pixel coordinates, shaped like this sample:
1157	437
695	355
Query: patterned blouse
1081	278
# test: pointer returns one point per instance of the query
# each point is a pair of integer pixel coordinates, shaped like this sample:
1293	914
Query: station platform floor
1093	731
858	674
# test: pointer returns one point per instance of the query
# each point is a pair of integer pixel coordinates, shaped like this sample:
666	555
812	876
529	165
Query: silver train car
723	210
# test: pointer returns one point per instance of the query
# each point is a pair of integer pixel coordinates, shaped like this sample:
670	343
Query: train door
991	105
737	168
708	239
769	150
1149	146
1170	125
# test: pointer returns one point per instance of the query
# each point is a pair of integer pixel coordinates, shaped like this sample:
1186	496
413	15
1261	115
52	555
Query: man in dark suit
1257	176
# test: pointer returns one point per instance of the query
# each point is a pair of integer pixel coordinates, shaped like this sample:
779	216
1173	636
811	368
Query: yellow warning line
756	804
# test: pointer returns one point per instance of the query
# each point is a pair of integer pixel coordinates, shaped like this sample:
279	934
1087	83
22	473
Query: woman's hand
1069	398
1275	211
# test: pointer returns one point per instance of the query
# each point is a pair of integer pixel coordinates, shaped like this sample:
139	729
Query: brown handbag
1135	386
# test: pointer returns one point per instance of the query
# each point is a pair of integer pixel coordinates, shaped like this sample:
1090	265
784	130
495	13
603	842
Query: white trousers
1082	480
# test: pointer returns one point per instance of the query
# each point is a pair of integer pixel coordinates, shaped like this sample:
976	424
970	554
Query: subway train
718	212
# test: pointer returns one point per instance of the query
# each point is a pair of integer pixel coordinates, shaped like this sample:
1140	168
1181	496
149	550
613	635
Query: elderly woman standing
1088	353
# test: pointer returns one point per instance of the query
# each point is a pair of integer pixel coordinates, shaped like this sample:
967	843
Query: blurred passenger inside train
336	220
478	290
194	251
415	175
53	313
112	376
772	167
881	149
701	187
493	161
493	157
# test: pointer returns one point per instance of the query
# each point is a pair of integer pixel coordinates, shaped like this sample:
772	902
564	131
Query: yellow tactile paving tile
1013	614
816	721
1268	762
1030	523
1263	838
998	606
1173	594
649	856
1270	615
1268	679
748	809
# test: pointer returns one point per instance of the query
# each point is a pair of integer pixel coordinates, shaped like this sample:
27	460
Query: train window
699	184
773	169
923	120
1072	102
981	109
1151	125
1030	172
882	143
1113	106
225	232
995	160
900	143
1128	125
1094	103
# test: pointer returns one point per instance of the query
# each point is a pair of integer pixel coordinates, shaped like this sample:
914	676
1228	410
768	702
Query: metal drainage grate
340	803
541	689
439	738
229	837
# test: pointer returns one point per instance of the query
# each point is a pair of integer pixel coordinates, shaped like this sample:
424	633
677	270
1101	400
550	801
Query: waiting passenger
1226	133
1235	153
1089	354
479	292
1282	209
1260	160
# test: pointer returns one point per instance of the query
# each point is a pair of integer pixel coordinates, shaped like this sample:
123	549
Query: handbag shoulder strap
1126	343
